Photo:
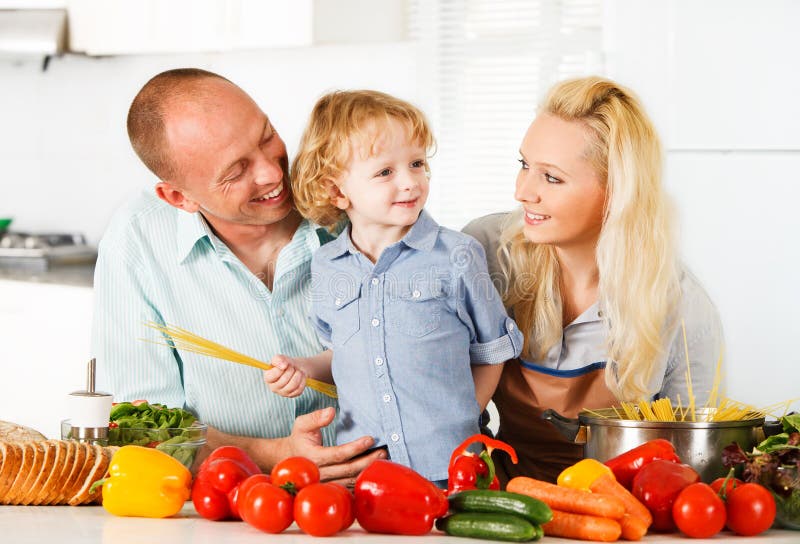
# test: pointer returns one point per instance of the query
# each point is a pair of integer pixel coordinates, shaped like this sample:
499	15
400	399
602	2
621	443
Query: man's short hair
146	127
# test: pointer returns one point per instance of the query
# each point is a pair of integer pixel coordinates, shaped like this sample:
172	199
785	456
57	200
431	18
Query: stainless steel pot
698	443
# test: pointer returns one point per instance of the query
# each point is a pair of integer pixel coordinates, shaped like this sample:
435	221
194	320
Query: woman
588	268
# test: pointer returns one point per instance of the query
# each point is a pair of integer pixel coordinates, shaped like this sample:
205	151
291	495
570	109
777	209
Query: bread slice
96	472
46	469
30	454
12	432
12	461
49	477
71	479
88	465
61	473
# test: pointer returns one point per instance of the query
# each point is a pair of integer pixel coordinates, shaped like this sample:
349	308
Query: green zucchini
507	527
501	502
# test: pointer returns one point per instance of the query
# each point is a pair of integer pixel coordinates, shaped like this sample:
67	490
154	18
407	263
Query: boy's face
385	189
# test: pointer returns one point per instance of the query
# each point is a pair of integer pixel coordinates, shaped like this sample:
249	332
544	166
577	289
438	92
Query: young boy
417	329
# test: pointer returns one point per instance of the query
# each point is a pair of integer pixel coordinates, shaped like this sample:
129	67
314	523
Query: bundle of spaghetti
185	340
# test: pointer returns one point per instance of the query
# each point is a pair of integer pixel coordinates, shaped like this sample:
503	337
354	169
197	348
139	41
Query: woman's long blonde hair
636	255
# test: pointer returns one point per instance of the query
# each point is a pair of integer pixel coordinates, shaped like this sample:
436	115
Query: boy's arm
486	378
287	377
317	366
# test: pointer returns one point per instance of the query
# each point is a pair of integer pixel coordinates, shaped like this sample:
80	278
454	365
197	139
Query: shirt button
338	302
375	322
416	294
280	312
374	281
387	398
378	361
395	437
600	313
511	326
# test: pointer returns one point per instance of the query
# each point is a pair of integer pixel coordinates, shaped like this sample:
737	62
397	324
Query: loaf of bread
12	432
50	472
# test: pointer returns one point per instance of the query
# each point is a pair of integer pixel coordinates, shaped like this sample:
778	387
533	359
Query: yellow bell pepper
582	474
145	482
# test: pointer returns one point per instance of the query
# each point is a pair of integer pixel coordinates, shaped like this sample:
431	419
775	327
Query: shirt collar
421	236
192	228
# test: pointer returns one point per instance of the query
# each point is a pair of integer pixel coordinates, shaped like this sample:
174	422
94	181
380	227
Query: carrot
567	499
633	527
582	527
608	485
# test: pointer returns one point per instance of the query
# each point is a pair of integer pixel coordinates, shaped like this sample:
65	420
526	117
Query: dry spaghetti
184	340
716	408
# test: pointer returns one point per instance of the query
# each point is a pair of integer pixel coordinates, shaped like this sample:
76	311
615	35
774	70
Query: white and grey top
582	346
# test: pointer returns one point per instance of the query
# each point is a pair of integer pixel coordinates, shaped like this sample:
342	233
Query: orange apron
524	392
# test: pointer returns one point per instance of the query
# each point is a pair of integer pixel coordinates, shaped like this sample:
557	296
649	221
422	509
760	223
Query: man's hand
285	378
336	463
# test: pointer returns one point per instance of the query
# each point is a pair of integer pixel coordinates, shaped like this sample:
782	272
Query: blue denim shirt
404	333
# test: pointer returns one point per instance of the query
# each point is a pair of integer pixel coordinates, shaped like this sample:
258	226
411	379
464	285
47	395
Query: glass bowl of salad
172	430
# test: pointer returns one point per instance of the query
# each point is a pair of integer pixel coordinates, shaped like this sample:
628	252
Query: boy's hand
285	378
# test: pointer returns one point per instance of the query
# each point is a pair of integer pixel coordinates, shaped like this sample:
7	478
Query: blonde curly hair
339	120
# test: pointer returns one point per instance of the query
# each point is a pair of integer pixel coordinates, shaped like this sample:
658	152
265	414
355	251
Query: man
223	253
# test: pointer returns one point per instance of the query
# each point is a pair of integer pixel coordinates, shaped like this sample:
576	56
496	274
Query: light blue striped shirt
158	263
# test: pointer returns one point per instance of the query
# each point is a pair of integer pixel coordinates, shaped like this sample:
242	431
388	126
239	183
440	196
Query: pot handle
569	428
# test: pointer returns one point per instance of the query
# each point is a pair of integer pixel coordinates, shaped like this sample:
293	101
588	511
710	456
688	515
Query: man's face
231	164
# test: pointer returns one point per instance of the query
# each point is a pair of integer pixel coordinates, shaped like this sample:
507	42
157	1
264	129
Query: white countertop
82	524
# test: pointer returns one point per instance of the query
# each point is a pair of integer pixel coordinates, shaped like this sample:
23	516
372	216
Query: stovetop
38	250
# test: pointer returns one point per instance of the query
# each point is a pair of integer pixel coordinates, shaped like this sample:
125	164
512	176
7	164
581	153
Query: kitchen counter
78	275
67	525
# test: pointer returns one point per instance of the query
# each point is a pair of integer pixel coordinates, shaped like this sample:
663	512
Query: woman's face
562	194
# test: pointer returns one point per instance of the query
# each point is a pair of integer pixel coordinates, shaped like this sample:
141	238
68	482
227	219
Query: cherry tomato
698	511
235	453
208	502
296	471
321	509
751	509
266	507
235	494
716	485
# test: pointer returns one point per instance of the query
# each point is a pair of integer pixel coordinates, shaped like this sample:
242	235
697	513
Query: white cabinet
44	348
103	27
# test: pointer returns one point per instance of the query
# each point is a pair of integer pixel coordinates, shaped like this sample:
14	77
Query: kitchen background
720	78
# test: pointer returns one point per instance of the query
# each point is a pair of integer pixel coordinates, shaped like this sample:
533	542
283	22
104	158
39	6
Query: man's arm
129	368
337	463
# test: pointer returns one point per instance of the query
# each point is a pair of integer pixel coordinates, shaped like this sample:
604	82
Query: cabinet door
44	348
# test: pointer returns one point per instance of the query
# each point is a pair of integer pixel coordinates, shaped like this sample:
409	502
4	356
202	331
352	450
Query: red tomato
698	511
716	485
208	502
298	471
235	453
751	509
350	506
240	490
224	474
322	509
266	507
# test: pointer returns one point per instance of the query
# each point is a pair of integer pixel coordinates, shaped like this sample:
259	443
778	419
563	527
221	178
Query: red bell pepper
658	484
214	491
468	470
626	465
393	499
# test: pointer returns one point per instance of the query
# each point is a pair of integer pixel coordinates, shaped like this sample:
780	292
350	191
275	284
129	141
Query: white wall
721	81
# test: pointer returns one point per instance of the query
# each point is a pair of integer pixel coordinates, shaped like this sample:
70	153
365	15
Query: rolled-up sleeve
494	337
